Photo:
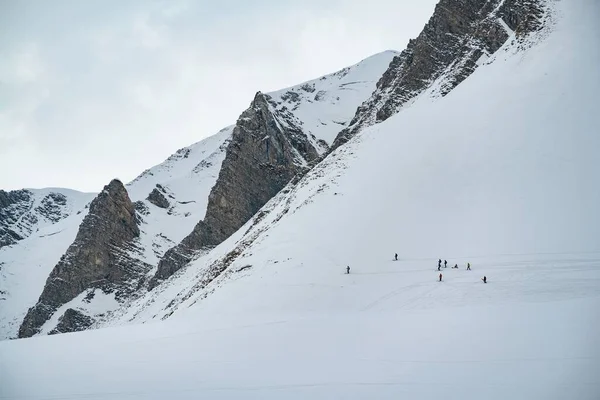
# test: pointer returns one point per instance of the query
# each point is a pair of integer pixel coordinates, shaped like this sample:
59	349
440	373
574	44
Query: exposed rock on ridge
98	258
19	215
267	149
157	197
13	205
458	34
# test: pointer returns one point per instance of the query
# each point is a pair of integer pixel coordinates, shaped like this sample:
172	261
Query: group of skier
484	279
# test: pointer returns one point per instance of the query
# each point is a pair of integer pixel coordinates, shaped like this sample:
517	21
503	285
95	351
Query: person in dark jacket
348	269
440	263
468	266
455	266
445	264
396	256
484	279
440	277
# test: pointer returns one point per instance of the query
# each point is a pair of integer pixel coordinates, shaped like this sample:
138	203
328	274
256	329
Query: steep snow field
187	178
327	104
501	173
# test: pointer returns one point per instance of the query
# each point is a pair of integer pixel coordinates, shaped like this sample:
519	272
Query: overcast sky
92	90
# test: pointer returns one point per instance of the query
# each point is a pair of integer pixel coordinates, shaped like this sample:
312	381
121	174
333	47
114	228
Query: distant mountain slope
46	222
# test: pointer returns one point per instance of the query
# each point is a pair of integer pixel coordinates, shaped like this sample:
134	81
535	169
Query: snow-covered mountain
500	172
206	194
169	199
493	168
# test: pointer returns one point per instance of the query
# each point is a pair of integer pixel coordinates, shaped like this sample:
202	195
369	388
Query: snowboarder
468	266
348	269
445	264
440	277
396	257
484	279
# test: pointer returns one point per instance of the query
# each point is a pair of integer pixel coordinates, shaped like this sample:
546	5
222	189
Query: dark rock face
266	151
52	207
157	197
98	258
72	321
18	217
456	36
13	205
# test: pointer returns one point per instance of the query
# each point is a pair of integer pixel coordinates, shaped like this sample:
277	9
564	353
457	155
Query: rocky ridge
100	257
458	35
267	150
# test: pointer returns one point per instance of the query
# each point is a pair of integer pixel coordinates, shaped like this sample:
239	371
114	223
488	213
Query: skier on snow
439	263
468	266
348	269
445	264
396	257
440	277
484	279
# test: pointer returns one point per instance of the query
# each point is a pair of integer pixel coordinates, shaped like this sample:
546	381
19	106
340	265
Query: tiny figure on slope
468	266
439	263
440	277
439	266
484	279
396	256
455	266
445	264
348	269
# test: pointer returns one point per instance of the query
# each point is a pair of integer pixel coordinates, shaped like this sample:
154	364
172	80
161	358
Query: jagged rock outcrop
157	197
458	34
13	205
52	207
268	148
72	321
98	258
19	215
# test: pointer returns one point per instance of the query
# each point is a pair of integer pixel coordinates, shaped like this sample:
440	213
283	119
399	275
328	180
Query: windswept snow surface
501	173
327	104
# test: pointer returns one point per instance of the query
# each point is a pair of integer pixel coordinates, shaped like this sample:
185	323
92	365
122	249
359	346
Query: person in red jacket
440	277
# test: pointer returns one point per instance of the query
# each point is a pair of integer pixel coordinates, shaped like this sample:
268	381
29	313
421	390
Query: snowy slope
327	104
24	266
187	178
